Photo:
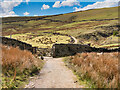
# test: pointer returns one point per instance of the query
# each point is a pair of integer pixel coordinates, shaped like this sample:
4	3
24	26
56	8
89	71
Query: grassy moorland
98	70
18	66
41	40
98	27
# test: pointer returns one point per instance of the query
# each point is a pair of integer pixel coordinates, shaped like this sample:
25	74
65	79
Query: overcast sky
50	7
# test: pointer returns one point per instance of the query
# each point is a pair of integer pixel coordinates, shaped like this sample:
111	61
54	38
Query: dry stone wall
16	43
58	50
62	50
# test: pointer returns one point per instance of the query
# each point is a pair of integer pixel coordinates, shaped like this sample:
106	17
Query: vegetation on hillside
18	66
41	40
98	27
100	69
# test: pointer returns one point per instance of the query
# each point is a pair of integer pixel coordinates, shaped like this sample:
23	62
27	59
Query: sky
12	8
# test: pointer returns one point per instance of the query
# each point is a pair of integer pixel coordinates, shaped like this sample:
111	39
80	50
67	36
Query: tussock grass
17	66
100	68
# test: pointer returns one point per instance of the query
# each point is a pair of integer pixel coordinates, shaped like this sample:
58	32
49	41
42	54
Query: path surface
75	40
54	75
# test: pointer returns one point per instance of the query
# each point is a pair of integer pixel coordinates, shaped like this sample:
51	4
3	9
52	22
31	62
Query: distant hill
97	26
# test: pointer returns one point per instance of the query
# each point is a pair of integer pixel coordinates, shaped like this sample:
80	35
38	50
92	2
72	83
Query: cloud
70	3
45	7
26	13
57	4
6	7
27	1
66	3
104	4
35	15
10	14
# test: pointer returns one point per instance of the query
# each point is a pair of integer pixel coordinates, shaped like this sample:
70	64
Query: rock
75	81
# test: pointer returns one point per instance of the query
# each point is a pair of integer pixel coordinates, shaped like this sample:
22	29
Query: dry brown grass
16	62
14	57
101	68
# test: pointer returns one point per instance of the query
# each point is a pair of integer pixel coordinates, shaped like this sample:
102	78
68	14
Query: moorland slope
99	27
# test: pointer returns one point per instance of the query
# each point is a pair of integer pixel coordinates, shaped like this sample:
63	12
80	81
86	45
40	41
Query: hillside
98	27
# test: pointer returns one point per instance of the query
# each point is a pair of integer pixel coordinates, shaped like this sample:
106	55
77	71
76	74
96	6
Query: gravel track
54	74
